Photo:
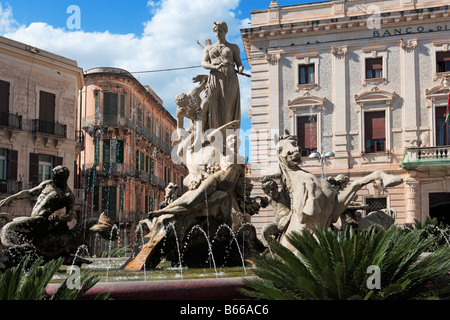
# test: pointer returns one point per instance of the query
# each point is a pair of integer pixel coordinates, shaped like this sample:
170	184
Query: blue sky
137	35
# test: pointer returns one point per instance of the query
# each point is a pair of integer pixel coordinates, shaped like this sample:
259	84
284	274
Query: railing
129	123
425	156
10	187
11	120
53	128
120	169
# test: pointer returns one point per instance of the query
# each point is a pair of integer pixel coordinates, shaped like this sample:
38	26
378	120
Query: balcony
51	128
431	160
10	187
11	120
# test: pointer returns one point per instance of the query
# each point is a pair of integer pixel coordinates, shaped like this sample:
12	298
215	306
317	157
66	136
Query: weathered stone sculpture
45	233
215	208
313	202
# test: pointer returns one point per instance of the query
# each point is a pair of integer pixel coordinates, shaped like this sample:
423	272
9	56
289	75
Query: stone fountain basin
190	289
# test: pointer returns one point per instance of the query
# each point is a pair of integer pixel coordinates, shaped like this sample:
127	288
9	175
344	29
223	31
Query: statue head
289	153
60	175
220	29
182	99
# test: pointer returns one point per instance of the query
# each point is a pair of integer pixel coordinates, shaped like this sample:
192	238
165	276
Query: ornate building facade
127	162
367	80
38	129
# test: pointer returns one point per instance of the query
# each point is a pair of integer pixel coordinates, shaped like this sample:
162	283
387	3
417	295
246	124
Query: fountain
197	229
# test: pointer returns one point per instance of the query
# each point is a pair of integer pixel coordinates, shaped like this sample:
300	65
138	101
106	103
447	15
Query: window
3	155
110	108
113	151
442	127
41	166
443	61
374	68
109	194
45	168
376	204
306	73
47	105
307	134
97	103
4	102
375	131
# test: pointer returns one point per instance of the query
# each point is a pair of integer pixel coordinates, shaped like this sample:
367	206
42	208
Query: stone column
340	93
412	198
273	58
409	90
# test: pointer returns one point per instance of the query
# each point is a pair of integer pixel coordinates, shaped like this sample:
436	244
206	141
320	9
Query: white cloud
7	22
168	40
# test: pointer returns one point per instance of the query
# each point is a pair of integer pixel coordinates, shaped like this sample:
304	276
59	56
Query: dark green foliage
334	266
25	282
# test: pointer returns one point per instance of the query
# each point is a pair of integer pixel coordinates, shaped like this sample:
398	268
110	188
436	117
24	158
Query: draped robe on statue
222	90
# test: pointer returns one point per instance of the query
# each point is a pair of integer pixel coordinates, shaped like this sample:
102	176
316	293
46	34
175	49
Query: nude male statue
53	194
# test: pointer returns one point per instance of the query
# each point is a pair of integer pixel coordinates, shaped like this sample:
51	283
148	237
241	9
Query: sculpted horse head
289	153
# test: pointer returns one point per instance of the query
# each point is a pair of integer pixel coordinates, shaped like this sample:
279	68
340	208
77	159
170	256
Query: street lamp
322	158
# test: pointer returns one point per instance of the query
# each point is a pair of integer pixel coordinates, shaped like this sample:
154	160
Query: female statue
221	103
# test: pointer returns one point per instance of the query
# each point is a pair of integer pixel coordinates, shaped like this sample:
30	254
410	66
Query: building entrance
440	207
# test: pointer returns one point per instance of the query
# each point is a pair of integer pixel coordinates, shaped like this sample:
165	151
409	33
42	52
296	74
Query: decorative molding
375	96
306	101
339	52
273	57
408	45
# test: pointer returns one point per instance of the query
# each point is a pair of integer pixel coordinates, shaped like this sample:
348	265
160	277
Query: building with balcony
38	106
367	80
126	163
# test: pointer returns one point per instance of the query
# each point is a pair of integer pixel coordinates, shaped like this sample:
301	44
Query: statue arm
237	59
24	194
206	61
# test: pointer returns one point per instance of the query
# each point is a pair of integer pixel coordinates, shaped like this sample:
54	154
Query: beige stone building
38	106
367	80
127	162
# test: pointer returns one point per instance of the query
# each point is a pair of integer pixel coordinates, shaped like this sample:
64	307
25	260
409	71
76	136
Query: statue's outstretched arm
24	194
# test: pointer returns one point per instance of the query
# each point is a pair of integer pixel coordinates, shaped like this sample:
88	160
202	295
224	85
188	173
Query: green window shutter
97	152
152	166
109	194
142	161
106	151
95	200
120	151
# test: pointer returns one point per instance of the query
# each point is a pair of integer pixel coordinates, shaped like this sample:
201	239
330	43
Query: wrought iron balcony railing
11	120
47	127
10	187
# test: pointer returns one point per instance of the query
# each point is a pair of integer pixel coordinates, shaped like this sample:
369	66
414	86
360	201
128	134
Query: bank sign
409	30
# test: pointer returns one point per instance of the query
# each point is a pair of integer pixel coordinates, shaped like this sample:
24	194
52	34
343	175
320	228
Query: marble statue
313	202
218	192
221	102
45	232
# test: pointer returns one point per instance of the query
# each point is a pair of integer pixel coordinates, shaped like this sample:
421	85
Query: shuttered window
442	127
307	134
110	108
375	131
374	68
4	99
306	74
109	199
442	61
40	167
47	105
